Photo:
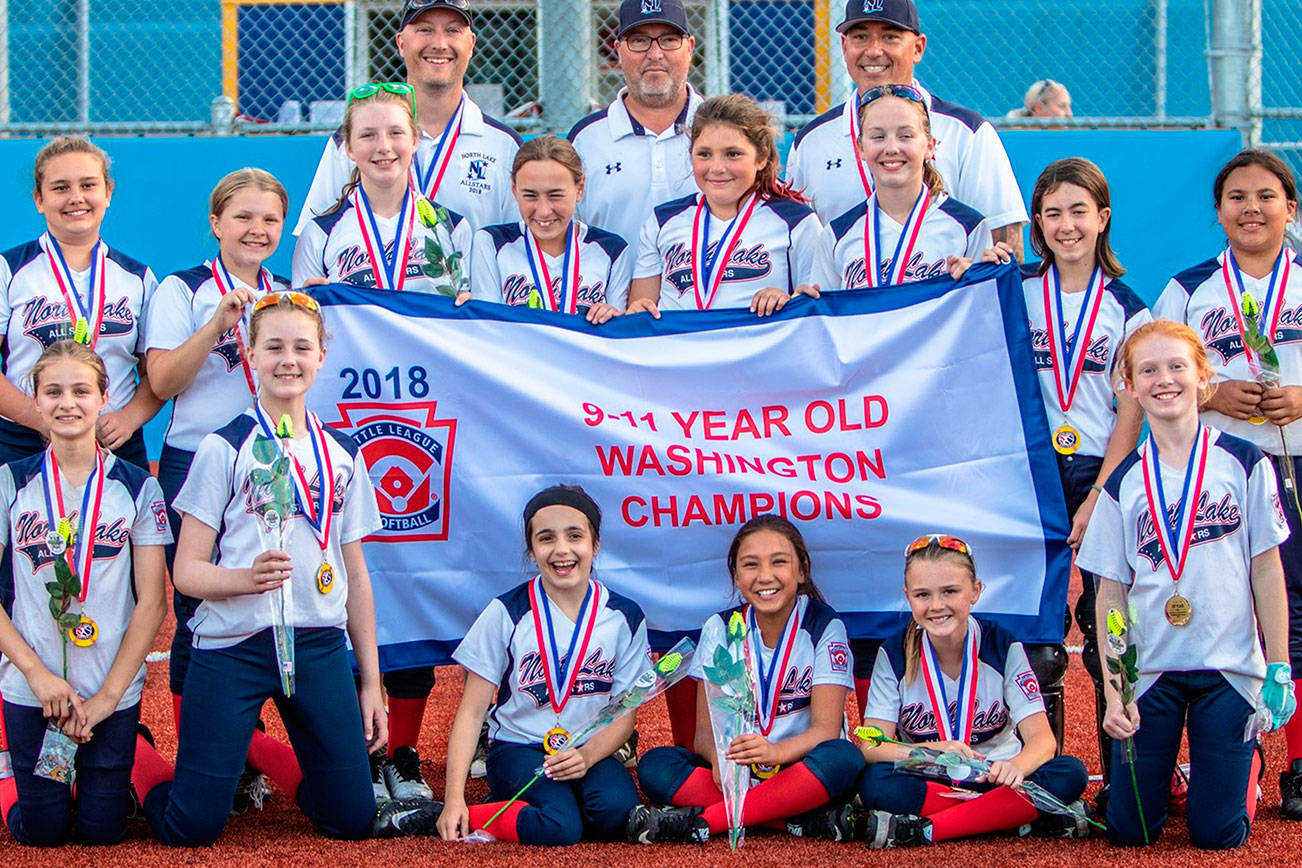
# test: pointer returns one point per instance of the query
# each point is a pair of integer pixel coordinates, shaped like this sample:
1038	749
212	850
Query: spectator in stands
1045	99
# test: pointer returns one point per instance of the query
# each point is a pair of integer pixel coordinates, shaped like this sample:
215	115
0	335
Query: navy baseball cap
901	13
634	13
413	9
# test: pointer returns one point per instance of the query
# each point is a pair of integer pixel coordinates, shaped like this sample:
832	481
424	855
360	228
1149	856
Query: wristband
1097	488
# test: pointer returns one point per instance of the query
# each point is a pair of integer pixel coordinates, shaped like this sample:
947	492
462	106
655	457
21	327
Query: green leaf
282	491
68	620
1131	657
1114	665
260	476
56	608
265	450
53	589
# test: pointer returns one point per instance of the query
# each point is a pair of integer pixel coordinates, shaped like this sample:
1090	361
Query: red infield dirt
280	835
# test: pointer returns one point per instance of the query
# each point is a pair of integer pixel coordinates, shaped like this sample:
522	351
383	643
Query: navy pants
1220	762
662	772
224	690
172	469
882	788
1290	552
561	813
46	814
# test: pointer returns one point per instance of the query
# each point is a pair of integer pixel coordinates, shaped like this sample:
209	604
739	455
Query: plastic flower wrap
272	471
1123	671
66	586
441	261
730	695
1264	364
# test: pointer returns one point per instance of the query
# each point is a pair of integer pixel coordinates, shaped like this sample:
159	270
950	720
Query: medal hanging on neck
708	270
317	511
561	673
957	726
390	271
768	680
428	181
872	240
569	290
1175	533
1272	307
1067	358
82	556
85	320
225	283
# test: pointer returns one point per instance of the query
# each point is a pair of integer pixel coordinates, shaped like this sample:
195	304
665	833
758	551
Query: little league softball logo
409	453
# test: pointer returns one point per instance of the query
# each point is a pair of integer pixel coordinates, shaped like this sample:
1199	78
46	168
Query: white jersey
476	182
35	314
1093	413
334	247
185	302
501	271
949	228
1238	517
131	513
218	492
969	155
1007	692
630	170
502	647
1199	298
777	247
817	652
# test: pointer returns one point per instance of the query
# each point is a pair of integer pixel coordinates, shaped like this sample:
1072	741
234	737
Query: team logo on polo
259	496
746	263
31	529
228	348
1097	354
919	721
1220	331
1214	519
856	275
516	289
409	453
838	654
354	266
46	320
797	687
596	676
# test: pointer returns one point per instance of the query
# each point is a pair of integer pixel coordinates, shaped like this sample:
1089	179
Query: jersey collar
623	124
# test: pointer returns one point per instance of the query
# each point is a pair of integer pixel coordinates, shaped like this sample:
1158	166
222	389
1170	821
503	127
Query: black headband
559	495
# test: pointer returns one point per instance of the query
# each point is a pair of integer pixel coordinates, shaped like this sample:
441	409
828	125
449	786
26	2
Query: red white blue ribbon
569	290
80	557
1175	537
63	277
562	672
1273	304
872	240
708	270
1068	357
390	271
768	682
957	726
318	511
865	178
428	181
225	283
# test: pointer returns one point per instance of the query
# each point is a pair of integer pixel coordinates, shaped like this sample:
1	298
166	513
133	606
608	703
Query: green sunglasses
366	91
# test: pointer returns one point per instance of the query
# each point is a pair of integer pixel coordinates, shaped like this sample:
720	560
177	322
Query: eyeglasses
298	299
943	540
639	44
422	5
903	91
366	91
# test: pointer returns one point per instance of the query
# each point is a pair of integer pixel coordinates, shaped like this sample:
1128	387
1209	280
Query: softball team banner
865	417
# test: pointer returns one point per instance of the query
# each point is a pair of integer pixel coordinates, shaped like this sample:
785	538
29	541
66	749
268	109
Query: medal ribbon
82	556
864	178
872	239
957	727
562	672
428	182
707	270
1182	530
319	513
1273	305
225	283
569	297
766	708
63	277
1068	359
390	272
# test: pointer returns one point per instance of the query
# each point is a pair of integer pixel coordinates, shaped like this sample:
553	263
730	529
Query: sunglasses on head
298	299
942	540
903	91
366	91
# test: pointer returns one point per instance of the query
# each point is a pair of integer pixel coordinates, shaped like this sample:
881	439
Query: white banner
867	418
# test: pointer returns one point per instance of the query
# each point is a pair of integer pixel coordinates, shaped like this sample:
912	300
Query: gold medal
325	578
84	633
764	772
1066	439
1178	611
556	739
1256	420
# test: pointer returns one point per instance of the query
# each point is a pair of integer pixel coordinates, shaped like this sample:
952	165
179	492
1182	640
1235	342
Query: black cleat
648	825
1290	791
403	778
252	791
886	830
1059	825
399	818
833	822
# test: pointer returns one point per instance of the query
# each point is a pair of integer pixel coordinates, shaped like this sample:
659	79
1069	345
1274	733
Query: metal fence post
4	62
222	112
1236	66
83	61
1159	57
565	40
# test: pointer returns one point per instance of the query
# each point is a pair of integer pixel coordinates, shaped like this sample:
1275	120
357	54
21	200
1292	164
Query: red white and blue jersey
813	650
501	269
1198	297
476	181
131	513
185	302
35	313
508	646
969	155
1005	693
220	493
1119	312
777	247
948	228
334	247
629	169
1238	516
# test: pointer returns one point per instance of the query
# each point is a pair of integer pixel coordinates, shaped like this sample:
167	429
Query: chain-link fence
183	65
1281	79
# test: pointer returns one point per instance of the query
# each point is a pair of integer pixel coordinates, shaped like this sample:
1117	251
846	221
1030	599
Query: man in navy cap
881	42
